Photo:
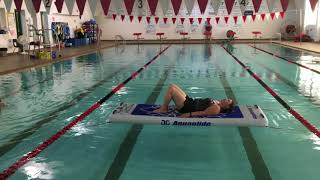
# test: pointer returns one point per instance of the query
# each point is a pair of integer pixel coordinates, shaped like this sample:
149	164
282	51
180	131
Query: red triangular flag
244	18
263	16
148	20
58	3
165	20
176	6
153	6
282	14
226	18
235	18
129	5
191	20
256	4
313	4
182	20
139	18
217	20
253	17
199	20
114	16
272	15
229	5
18	4
284	4
131	18
122	17
208	20
36	5
156	19
202	5
174	20
105	6
81	4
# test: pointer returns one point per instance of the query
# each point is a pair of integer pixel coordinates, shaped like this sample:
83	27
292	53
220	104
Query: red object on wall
235	18
176	6
282	14
18	4
217	20
59	5
263	16
131	18
114	16
253	17
208	20
191	20
129	5
148	20
229	5
81	4
199	20
244	18
165	20
313	4
139	18
36	5
284	4
174	20
272	15
256	4
182	20
105	6
202	5
156	19
226	18
153	6
122	17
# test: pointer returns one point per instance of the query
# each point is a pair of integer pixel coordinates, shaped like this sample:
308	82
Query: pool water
41	101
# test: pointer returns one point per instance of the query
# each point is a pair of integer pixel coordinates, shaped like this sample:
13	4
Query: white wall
269	27
311	19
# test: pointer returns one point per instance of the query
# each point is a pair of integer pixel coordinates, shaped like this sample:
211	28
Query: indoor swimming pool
41	101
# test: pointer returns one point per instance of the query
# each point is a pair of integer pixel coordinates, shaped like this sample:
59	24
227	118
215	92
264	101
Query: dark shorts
188	105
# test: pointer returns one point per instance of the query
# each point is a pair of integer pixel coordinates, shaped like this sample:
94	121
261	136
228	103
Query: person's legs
173	93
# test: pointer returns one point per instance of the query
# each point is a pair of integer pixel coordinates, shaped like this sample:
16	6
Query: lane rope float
26	158
293	112
285	59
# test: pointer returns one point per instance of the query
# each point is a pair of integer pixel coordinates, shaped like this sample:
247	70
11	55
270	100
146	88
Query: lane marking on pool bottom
258	166
285	59
120	161
299	117
26	158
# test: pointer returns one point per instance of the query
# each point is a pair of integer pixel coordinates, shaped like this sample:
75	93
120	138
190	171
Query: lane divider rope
26	158
285	59
299	117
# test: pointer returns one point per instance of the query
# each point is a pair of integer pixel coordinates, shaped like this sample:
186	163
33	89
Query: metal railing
118	39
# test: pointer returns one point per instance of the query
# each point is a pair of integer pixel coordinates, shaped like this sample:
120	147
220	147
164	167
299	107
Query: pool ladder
118	40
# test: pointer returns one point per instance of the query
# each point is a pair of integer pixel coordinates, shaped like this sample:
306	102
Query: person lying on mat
189	107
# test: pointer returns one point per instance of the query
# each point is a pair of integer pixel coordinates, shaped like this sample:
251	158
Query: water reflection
41	170
207	51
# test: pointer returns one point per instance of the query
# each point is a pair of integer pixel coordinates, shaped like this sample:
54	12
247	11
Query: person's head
226	105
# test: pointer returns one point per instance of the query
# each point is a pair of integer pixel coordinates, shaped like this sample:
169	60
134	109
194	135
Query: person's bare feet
161	110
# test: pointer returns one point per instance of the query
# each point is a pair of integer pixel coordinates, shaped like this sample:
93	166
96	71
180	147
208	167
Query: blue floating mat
143	113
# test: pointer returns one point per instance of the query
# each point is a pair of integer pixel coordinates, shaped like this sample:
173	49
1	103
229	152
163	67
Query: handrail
119	38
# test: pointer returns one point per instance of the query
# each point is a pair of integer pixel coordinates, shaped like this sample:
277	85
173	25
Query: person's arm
212	110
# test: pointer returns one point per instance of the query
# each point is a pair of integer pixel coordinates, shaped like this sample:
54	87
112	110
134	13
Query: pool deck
17	62
304	46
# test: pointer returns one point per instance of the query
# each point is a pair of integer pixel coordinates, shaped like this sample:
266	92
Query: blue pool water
41	101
